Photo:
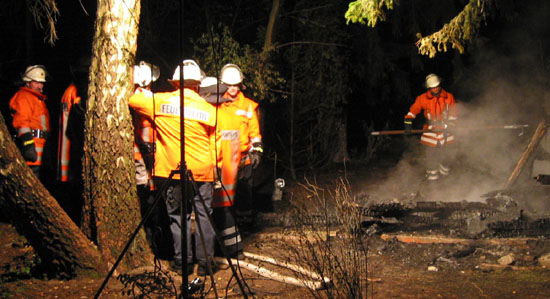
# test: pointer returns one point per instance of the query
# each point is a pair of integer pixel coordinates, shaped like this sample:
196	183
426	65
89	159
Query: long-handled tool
497	127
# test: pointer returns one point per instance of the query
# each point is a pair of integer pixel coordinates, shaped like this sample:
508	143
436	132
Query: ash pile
502	213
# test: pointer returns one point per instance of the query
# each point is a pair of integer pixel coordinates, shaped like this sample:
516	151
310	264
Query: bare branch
45	14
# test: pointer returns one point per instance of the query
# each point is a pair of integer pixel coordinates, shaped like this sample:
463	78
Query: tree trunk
341	154
59	243
111	207
268	43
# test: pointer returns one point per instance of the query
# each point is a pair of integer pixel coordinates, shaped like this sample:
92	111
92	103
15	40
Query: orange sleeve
21	111
416	107
254	125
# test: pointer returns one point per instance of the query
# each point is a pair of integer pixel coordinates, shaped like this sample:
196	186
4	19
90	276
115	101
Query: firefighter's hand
408	127
255	158
256	153
217	185
27	147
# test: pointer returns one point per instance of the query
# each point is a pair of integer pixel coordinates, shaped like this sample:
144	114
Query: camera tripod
189	190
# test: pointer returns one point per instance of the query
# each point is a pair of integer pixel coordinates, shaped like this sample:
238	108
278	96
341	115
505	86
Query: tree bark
36	215
111	207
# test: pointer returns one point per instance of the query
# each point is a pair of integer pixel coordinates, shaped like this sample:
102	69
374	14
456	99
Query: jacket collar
35	93
442	94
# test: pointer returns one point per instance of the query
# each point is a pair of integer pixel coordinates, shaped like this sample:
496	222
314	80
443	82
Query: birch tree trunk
111	207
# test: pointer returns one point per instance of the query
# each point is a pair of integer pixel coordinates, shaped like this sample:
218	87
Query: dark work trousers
439	159
157	226
173	198
243	193
227	228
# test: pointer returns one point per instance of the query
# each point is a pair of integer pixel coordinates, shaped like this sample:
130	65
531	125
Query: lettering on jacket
190	113
230	134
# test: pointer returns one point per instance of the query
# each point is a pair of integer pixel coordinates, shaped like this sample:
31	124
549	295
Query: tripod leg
216	234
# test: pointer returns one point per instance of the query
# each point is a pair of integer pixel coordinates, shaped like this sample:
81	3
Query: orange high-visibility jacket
229	128
69	98
199	125
143	132
436	109
29	112
246	109
143	128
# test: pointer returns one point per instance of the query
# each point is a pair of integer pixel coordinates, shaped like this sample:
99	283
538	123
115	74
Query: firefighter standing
229	129
31	118
440	113
200	120
71	140
144	149
252	149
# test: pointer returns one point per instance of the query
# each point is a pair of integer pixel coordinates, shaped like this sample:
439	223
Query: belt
39	133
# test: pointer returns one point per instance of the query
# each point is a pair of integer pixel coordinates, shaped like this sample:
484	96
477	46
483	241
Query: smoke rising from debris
506	82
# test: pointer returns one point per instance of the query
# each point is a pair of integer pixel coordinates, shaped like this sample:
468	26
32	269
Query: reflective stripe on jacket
436	109
68	99
29	112
229	128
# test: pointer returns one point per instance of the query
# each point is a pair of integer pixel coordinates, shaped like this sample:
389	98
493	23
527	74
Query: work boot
202	270
175	266
239	255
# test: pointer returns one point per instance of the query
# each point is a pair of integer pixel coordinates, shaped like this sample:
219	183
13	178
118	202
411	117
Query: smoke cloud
505	82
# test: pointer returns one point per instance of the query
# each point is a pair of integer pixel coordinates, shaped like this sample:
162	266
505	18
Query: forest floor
426	257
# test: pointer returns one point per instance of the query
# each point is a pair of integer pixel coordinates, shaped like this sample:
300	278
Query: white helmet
432	80
145	73
35	73
231	75
208	82
191	72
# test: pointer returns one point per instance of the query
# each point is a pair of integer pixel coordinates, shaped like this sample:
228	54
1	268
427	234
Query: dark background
512	46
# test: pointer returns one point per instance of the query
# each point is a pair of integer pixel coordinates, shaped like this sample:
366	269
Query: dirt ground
404	260
396	270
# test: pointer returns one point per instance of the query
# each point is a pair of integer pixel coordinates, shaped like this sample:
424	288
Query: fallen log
313	285
435	239
284	264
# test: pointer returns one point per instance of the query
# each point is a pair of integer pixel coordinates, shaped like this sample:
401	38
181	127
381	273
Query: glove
27	147
255	159
408	126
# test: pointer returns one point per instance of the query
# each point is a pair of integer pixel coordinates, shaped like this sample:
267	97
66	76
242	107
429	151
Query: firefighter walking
440	113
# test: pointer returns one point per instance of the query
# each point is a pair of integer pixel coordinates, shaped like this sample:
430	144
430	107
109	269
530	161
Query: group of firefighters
222	143
222	140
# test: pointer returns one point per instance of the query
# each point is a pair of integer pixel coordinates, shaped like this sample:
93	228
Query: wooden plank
535	140
438	239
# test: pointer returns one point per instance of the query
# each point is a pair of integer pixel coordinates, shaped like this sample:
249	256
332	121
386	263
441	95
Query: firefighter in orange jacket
229	129
144	75
30	116
441	114
144	149
199	141
252	149
71	140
